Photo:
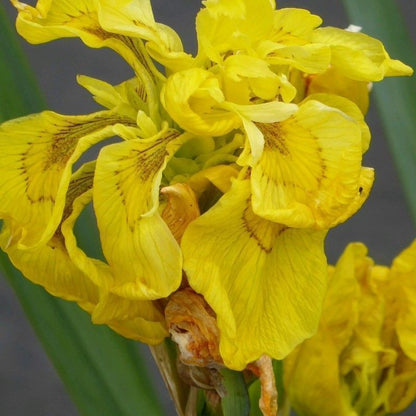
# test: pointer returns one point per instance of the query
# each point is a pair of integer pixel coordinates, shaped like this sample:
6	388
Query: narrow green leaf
103	372
278	376
395	97
236	400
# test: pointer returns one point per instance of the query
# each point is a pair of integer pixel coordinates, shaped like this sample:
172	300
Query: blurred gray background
28	382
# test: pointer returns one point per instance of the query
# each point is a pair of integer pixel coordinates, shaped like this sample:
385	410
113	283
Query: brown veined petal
49	264
36	157
138	245
265	282
309	174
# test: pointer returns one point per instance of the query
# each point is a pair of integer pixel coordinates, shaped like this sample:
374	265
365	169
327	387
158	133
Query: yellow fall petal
36	157
349	108
309	174
257	276
138	245
49	265
140	320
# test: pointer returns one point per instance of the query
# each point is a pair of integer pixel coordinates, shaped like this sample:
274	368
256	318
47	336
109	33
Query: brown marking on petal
264	232
141	92
273	138
151	159
99	32
55	148
79	184
193	326
263	369
146	163
64	141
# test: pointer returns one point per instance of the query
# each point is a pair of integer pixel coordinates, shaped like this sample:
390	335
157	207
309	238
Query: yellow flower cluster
231	167
362	361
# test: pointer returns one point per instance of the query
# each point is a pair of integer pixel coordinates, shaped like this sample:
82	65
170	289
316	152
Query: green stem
236	401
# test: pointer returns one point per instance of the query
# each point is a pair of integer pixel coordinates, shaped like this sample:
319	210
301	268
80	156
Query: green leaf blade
395	97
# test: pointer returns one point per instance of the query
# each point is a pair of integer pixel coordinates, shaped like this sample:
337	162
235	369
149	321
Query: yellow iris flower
230	168
362	361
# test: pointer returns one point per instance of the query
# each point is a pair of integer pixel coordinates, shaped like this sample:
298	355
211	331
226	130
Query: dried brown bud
192	324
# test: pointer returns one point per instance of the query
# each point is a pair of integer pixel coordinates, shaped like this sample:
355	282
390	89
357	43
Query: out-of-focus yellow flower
230	168
362	360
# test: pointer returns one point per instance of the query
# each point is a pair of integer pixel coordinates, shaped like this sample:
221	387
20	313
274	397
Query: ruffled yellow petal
311	379
309	174
36	157
232	25
289	42
257	276
192	98
359	332
402	386
341	306
403	273
293	26
141	251
359	56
